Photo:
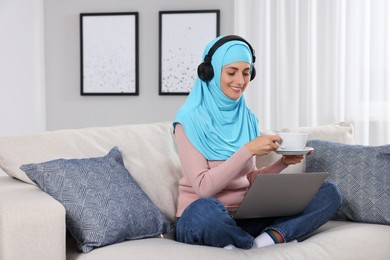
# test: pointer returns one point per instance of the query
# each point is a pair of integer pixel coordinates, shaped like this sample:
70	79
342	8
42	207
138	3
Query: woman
218	138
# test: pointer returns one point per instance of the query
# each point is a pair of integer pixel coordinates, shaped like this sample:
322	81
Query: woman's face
234	79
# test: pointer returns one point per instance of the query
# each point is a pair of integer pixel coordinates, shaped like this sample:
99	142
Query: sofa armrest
32	224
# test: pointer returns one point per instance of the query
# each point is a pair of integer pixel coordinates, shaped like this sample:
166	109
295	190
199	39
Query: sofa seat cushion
336	240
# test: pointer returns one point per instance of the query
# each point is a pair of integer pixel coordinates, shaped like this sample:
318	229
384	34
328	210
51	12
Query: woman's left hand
293	159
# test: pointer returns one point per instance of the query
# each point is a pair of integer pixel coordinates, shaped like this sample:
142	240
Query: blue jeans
207	222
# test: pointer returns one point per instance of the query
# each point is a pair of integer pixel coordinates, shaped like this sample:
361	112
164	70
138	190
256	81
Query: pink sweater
227	180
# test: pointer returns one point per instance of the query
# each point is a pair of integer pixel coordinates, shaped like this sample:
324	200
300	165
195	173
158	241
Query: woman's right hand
264	144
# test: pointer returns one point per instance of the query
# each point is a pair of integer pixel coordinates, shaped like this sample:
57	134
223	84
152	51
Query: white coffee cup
292	141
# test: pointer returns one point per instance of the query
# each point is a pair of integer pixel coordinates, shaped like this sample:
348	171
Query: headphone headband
226	39
205	69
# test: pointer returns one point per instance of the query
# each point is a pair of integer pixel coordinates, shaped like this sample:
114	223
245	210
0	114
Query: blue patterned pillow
363	175
103	203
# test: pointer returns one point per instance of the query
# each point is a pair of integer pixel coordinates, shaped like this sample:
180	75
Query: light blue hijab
216	125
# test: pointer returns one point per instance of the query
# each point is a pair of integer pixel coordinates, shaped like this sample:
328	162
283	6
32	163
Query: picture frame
109	53
182	38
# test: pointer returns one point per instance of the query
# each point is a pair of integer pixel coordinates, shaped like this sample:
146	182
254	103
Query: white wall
40	65
22	86
66	108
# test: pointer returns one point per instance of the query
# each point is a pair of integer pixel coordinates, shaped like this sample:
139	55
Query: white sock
232	247
263	240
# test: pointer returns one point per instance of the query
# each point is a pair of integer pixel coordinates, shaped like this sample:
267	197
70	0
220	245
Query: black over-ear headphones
205	69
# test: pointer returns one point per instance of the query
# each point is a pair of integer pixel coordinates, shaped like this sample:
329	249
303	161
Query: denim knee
197	219
201	212
207	206
206	222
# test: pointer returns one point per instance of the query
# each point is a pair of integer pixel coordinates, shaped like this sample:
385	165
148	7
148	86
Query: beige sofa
32	223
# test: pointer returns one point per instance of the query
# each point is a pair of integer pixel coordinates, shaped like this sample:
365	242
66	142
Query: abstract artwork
109	53
183	36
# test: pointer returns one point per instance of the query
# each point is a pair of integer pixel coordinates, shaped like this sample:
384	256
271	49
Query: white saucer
306	150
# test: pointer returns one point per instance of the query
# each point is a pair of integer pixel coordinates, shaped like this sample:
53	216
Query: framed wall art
109	53
183	36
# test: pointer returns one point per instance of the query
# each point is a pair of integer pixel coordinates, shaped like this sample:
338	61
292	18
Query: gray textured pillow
103	203
363	175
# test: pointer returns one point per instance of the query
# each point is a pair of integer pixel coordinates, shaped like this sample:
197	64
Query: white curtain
320	61
22	68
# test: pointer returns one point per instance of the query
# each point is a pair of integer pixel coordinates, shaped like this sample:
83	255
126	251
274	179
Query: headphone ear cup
253	72
205	71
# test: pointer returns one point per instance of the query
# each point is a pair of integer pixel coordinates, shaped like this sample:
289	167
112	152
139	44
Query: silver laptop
276	195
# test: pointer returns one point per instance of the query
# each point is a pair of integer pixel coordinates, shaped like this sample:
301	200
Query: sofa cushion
363	175
103	203
336	240
148	150
341	132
